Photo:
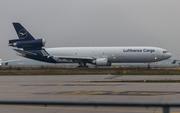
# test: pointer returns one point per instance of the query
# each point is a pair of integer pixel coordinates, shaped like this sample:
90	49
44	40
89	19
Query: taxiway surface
79	88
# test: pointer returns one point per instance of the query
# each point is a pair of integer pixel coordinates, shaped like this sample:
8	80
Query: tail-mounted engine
28	44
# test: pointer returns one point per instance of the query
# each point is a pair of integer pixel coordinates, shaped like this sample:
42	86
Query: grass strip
88	71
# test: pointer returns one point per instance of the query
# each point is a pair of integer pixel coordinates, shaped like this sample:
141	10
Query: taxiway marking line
85	109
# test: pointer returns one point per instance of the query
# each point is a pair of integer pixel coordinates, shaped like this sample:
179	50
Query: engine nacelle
29	44
101	62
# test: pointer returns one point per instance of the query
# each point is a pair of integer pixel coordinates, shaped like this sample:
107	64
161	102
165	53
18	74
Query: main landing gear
149	66
82	64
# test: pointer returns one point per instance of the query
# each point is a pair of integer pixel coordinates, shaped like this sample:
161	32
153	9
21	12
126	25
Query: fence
165	106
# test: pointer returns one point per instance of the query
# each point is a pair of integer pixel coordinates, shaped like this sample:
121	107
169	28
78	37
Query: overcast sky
78	23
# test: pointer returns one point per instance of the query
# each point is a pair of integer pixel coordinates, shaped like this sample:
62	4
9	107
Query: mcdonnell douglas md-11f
29	47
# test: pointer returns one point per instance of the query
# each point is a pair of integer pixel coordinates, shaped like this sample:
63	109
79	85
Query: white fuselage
114	54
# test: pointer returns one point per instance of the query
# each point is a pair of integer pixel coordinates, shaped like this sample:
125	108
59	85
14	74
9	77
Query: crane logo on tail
23	34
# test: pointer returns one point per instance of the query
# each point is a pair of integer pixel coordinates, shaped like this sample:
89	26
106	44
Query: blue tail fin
22	33
26	40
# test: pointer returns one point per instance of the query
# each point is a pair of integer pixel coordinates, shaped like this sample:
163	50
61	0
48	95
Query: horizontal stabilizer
24	52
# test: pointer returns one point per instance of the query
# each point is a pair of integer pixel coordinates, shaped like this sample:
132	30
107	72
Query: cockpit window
165	51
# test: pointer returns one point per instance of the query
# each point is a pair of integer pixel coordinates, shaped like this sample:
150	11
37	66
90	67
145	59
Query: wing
74	57
56	57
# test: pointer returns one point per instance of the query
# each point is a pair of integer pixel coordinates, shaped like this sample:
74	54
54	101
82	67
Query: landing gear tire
82	64
149	66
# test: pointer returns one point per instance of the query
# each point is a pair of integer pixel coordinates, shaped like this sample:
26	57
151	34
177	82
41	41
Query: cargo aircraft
29	47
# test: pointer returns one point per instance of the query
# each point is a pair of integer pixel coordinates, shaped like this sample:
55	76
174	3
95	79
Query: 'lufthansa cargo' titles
139	50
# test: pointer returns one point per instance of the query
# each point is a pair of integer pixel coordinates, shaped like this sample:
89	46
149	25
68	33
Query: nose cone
169	55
